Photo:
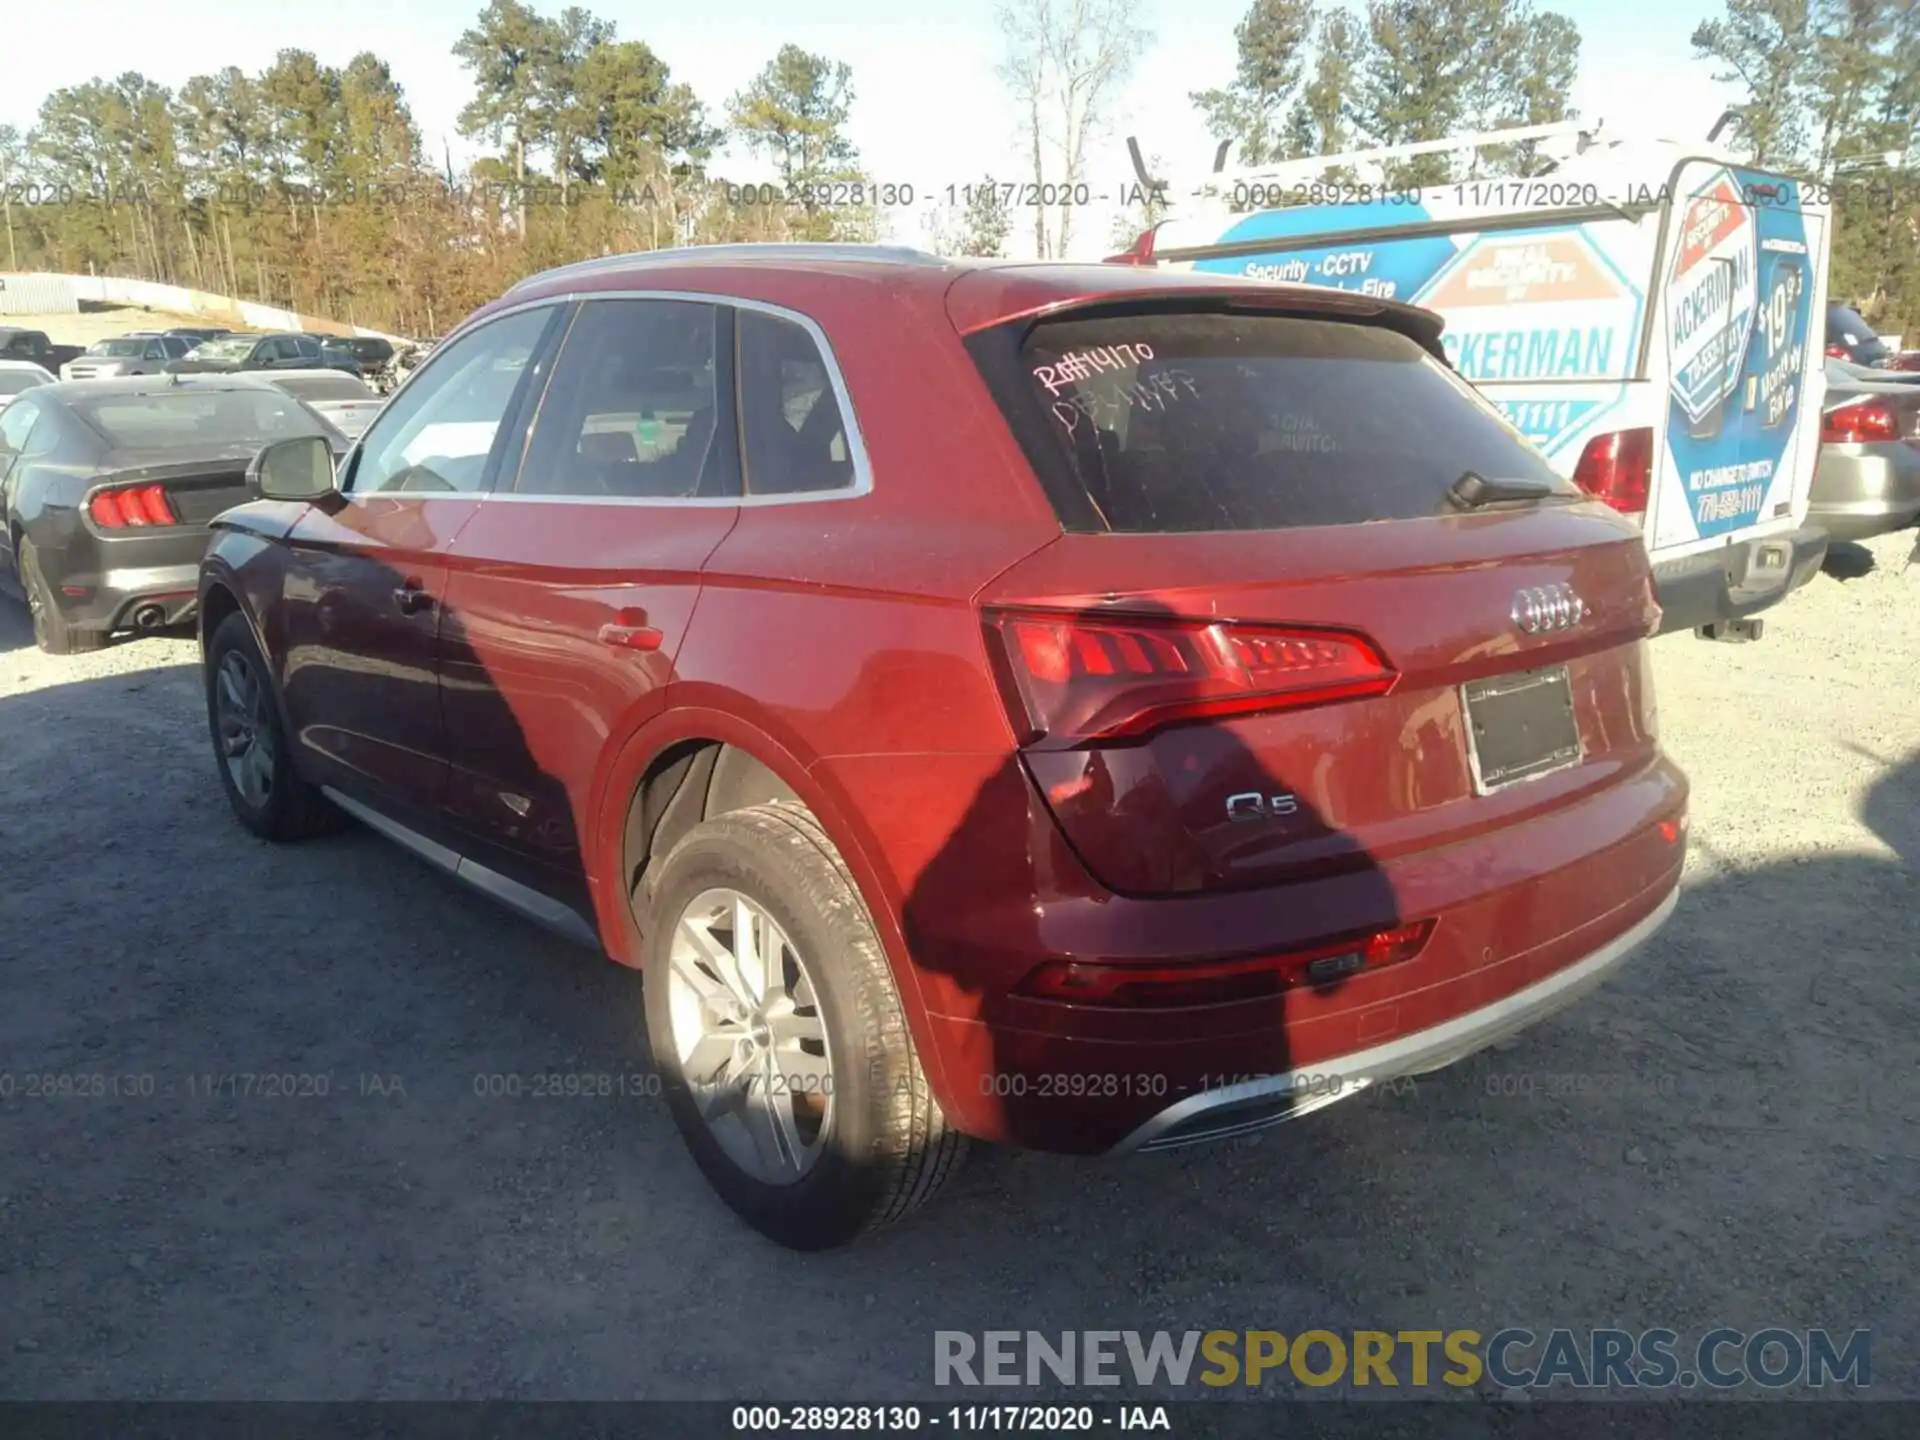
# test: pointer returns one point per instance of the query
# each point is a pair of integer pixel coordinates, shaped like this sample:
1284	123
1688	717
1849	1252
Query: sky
928	111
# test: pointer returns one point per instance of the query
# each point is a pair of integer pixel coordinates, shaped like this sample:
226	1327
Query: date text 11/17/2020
965	1419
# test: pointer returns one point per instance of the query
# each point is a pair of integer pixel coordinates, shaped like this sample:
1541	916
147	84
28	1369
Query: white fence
43	294
37	295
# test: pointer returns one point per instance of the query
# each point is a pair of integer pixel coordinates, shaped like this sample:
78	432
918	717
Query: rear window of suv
1209	421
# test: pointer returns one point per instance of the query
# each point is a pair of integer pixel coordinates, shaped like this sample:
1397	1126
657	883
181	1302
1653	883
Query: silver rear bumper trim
1417	1054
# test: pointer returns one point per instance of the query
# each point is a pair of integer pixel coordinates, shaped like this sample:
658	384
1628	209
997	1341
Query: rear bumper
1865	490
163	573
1738	580
1515	910
1863	519
1255	1105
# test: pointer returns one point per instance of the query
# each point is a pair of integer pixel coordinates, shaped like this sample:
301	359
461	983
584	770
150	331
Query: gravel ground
1723	1136
90	325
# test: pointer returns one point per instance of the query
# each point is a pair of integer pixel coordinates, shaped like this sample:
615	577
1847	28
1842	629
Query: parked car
1868	478
17	376
1093	708
405	359
106	488
281	351
121	356
337	355
364	355
34	346
1849	337
1845	372
195	334
343	401
413	356
174	345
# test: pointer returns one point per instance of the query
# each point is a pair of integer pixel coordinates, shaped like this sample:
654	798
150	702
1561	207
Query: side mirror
296	469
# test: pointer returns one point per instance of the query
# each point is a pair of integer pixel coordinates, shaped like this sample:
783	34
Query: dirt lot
91	325
1724	1136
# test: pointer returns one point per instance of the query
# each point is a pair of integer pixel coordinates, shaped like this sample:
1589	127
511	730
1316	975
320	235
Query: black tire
291	809
887	1147
51	632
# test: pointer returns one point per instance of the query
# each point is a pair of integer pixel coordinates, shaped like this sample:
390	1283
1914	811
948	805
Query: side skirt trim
523	900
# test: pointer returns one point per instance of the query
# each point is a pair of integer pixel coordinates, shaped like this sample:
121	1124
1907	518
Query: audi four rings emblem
1548	607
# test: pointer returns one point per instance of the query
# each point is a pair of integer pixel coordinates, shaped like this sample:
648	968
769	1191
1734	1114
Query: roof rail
745	250
1307	168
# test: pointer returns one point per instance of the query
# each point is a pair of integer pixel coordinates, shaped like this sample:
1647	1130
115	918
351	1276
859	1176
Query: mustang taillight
132	508
1223	982
1084	679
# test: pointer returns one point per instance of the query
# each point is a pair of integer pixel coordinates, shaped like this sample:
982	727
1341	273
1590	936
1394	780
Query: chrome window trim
856	442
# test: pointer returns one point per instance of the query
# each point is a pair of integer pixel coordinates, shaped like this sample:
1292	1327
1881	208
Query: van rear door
1743	271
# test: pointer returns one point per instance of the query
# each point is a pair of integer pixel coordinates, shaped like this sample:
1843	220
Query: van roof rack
796	252
1584	135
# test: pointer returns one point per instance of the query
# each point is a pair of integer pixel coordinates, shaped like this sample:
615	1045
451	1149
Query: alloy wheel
245	727
749	1036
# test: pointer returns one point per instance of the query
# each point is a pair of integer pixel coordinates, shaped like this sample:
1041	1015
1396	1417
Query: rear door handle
628	630
411	598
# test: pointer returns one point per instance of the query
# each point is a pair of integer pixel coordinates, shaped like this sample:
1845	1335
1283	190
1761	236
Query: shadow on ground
1849	560
311	1122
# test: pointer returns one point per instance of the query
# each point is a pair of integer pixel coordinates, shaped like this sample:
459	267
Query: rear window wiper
1472	491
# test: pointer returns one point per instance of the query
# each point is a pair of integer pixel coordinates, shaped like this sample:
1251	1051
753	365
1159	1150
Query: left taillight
1088	679
132	507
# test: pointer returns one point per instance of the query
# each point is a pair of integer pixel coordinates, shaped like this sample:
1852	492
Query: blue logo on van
1739	347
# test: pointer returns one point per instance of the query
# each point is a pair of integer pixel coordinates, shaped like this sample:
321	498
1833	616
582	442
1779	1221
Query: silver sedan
1867	481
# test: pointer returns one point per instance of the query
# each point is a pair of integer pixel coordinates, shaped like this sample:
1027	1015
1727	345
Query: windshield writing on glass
1106	402
1079	365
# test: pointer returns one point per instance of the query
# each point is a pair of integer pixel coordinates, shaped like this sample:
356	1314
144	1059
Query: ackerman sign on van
1643	316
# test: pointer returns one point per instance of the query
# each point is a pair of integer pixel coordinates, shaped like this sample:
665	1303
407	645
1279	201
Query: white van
1644	314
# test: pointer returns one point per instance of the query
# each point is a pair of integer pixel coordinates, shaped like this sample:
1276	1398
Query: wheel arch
696	761
218	600
223	594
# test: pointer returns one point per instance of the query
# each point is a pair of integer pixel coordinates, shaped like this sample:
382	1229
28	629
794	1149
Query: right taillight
1617	469
133	507
1861	423
1085	679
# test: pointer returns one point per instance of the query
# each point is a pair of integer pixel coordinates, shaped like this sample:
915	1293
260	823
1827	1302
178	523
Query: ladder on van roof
1584	136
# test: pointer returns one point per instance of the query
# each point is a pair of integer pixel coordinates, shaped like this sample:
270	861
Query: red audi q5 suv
1081	707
